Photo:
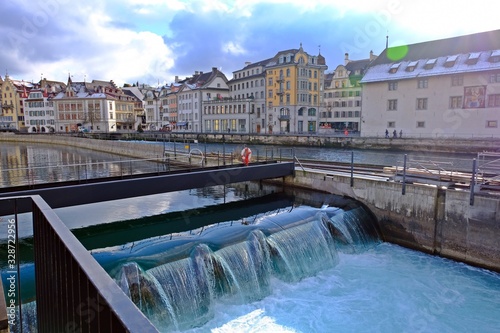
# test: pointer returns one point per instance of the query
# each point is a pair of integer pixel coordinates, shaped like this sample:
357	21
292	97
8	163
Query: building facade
96	106
441	88
13	92
342	98
294	91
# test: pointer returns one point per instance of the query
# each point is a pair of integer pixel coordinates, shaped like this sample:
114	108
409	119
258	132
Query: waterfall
289	245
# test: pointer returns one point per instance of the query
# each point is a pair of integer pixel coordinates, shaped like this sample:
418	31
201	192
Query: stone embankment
124	148
446	145
428	218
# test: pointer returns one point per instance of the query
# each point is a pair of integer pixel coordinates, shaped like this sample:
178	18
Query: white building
39	114
441	88
193	93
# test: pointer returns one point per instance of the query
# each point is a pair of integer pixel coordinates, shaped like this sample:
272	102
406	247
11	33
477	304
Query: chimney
214	69
372	56
176	80
346	59
196	73
248	63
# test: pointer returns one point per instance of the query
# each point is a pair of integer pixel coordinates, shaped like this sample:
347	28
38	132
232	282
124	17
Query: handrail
73	292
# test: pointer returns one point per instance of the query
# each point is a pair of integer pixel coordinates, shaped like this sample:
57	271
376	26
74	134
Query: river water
379	288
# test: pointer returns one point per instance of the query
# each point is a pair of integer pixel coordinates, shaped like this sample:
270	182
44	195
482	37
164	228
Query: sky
152	41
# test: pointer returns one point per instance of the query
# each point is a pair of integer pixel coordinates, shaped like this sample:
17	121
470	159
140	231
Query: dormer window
394	68
411	66
450	61
473	58
430	63
495	56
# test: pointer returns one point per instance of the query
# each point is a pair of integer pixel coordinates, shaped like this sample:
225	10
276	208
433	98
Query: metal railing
73	292
80	172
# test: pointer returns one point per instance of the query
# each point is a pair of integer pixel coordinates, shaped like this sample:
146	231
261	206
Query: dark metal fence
73	292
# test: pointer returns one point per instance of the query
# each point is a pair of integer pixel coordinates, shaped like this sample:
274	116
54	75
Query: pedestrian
400	134
394	134
386	133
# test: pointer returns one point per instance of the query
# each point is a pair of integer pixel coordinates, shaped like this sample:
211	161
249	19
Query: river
379	288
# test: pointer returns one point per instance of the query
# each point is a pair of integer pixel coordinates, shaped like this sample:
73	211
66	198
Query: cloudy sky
152	41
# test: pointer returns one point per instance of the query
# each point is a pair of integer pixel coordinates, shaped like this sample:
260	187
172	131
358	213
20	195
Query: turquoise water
384	289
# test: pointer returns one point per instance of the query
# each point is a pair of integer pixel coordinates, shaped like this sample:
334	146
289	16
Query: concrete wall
432	220
132	149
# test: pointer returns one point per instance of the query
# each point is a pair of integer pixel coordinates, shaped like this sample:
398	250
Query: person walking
386	133
400	134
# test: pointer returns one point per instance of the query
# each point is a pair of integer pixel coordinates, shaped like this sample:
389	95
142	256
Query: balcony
282	117
7	106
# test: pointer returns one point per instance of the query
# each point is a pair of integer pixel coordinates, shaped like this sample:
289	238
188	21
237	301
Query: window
457	80
411	66
420	124
495	56
455	102
391	124
491	124
423	83
394	68
430	63
421	103
495	78
393	86
392	104
493	100
473	58
450	61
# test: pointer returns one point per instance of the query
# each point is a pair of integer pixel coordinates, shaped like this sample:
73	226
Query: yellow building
12	94
294	91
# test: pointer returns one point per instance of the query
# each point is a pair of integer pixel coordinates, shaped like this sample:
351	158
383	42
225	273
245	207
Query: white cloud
233	48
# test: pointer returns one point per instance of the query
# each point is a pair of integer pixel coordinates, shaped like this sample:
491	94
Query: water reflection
23	164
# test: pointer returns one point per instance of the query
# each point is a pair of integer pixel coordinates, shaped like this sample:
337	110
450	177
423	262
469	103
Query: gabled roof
354	65
479	42
470	53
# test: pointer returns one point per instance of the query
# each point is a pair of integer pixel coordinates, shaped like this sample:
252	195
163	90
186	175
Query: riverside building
441	88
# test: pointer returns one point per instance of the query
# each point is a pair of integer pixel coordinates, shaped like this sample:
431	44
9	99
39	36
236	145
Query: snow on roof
474	55
382	72
495	53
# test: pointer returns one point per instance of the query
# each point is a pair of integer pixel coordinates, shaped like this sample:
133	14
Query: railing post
352	168
472	182
403	189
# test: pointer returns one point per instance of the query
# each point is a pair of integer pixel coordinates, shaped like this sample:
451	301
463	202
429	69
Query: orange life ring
246	155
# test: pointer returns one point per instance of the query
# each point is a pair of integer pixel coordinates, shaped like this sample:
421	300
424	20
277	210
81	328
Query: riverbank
438	145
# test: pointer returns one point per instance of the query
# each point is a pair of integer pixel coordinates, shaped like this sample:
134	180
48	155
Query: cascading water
235	262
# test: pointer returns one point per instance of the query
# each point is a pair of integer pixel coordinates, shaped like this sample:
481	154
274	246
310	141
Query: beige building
342	98
441	88
96	106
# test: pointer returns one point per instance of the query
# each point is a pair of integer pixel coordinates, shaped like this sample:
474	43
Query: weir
177	281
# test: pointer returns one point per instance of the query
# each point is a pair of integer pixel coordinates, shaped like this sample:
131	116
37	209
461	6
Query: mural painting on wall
474	97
